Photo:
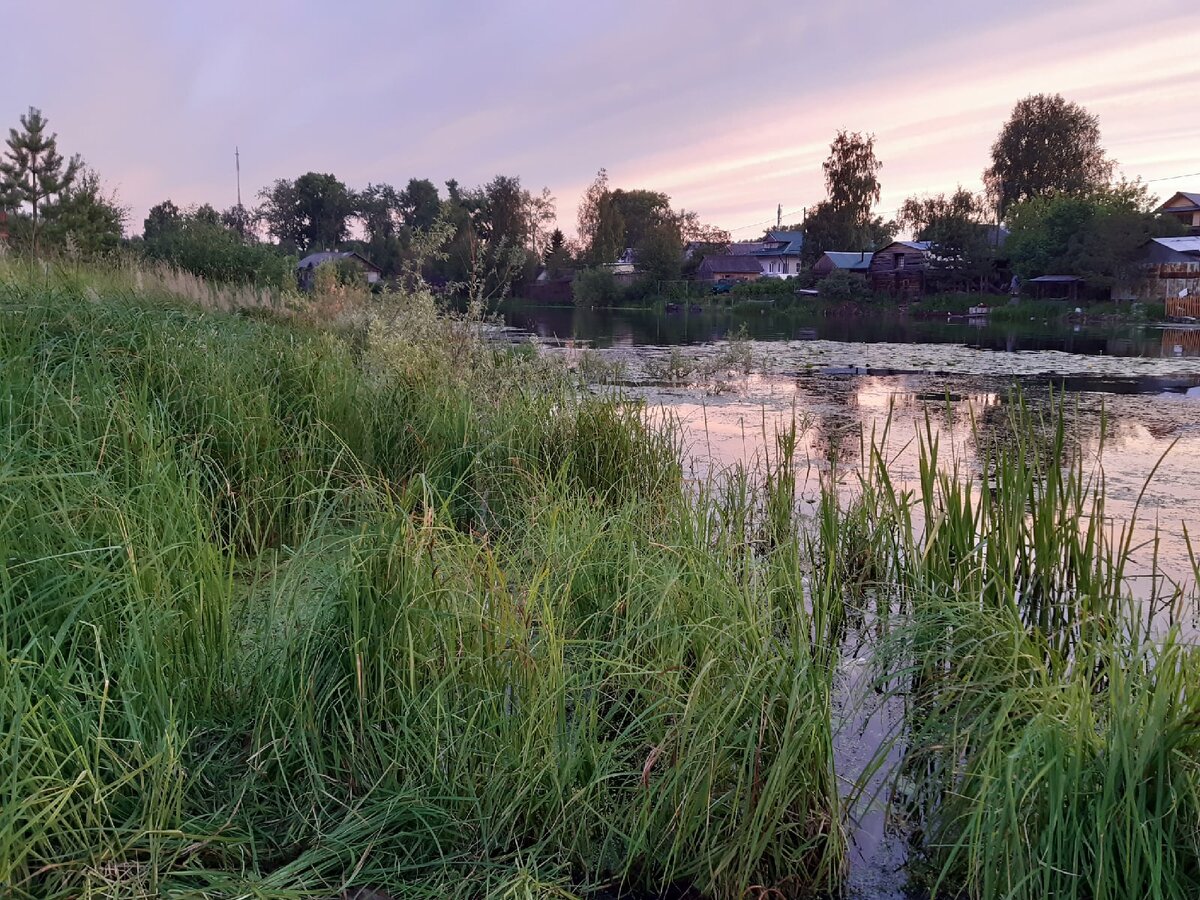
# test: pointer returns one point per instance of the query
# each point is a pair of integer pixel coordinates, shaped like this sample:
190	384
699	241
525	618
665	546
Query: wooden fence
1163	283
1184	307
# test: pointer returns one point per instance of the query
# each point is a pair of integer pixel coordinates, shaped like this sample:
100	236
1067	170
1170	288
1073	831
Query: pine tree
32	170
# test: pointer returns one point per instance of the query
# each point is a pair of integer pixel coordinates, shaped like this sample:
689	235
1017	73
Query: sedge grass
286	611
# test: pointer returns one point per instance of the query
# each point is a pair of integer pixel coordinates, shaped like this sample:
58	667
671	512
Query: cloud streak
731	112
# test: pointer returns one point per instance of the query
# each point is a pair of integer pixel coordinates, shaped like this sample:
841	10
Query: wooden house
900	268
1185	207
1168	271
842	261
729	268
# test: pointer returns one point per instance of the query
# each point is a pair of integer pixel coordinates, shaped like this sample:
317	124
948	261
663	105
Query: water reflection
1123	438
606	328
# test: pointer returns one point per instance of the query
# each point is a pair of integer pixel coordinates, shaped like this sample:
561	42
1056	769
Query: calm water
1134	409
608	328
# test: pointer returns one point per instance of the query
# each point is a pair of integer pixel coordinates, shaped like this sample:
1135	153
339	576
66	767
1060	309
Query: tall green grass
1051	745
286	611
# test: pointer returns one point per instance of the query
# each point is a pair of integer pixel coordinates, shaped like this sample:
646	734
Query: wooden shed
900	268
831	261
729	268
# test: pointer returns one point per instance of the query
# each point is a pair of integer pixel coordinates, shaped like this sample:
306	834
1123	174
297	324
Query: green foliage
1049	746
1097	235
1048	146
843	221
34	174
843	287
309	214
285	614
852	175
86	219
962	251
596	287
196	243
828	228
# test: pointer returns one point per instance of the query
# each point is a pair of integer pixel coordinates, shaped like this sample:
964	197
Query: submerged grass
288	610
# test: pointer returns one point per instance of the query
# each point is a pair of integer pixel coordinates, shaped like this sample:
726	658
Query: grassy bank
288	609
310	596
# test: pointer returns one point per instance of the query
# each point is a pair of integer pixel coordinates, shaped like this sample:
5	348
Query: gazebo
1068	283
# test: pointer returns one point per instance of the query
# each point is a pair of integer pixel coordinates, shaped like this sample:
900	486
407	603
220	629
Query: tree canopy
1049	145
311	213
962	244
843	221
1097	235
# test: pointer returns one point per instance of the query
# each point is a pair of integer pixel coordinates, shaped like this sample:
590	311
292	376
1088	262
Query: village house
728	267
899	268
1185	207
1168	273
831	261
306	269
625	270
780	253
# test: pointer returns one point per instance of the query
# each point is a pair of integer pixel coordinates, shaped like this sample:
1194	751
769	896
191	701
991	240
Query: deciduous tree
1049	145
310	213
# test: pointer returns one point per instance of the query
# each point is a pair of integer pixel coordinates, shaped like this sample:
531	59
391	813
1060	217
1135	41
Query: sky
730	109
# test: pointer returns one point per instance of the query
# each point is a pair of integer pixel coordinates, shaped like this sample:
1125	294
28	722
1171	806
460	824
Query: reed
287	610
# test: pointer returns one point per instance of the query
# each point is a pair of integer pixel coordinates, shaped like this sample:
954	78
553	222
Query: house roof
742	265
1055	279
849	259
781	243
316	259
1192	198
745	248
1189	244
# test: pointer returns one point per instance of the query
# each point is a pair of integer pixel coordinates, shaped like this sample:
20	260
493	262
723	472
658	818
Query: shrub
842	287
596	287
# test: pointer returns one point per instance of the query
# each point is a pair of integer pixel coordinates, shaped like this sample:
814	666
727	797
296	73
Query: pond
731	381
608	328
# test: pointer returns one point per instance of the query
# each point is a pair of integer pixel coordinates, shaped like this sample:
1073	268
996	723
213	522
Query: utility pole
237	162
779	216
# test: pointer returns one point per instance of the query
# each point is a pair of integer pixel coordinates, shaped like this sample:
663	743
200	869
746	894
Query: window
899	261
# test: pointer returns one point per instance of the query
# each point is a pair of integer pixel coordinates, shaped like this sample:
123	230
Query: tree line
1049	203
1049	182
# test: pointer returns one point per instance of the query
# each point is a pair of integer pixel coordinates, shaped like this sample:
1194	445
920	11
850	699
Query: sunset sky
728	109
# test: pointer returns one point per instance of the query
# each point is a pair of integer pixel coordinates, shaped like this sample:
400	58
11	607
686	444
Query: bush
596	287
212	251
842	287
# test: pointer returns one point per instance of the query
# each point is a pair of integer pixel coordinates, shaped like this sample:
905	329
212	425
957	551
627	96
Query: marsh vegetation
293	604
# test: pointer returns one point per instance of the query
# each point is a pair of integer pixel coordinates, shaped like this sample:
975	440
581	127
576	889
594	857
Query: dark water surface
608	328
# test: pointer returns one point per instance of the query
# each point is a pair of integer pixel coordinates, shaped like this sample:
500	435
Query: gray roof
792	243
1190	244
316	259
741	265
849	259
1055	279
745	248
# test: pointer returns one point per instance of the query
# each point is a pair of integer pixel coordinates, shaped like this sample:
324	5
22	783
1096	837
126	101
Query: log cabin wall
899	270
